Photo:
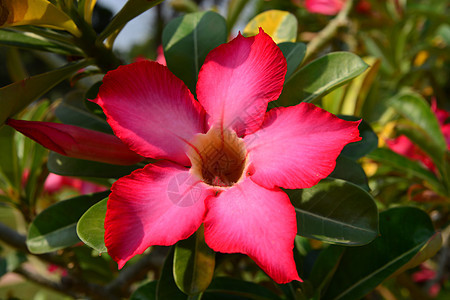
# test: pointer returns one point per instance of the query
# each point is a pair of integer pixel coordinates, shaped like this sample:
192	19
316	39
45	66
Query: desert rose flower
223	157
324	7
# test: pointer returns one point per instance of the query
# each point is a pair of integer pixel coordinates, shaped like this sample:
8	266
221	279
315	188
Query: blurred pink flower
223	157
55	183
324	7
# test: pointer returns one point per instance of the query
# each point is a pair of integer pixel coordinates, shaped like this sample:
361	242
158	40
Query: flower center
218	157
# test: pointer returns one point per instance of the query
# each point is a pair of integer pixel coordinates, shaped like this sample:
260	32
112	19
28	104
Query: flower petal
238	79
252	220
151	110
297	146
325	7
157	205
77	142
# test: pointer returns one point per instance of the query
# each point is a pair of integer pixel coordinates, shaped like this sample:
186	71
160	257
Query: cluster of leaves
359	247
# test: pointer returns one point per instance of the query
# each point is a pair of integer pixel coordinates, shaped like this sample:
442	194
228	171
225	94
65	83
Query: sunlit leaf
188	39
403	233
335	211
35	12
90	227
320	77
193	264
55	227
16	96
279	24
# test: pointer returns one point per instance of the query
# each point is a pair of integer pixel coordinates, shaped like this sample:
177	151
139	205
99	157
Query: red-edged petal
157	205
404	146
77	142
238	79
151	110
252	220
297	146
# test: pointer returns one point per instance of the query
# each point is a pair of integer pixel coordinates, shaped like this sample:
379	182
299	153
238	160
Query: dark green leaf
193	265
167	288
145	292
188	39
16	96
225	288
28	40
90	227
335	211
55	227
367	144
294	54
403	232
351	171
9	168
320	77
68	166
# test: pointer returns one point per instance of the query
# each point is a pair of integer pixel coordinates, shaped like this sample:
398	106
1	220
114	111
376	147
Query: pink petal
252	220
325	7
297	146
151	110
404	146
77	142
238	79
157	205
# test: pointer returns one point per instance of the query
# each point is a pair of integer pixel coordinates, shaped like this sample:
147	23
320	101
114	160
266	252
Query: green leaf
367	144
129	11
335	211
193	265
9	167
294	54
403	232
68	166
225	288
16	96
235	8
32	41
403	163
145	292
414	108
279	24
351	171
55	227
90	227
320	77
167	288
188	39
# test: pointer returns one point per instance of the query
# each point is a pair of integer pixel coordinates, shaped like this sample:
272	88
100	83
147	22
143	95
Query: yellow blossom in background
35	12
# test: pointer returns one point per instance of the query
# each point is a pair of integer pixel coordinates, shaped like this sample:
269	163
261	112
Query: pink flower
404	146
55	183
223	157
324	7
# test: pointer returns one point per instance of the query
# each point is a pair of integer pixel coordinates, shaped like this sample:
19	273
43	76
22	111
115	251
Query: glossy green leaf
55	227
403	232
320	77
403	163
68	166
32	41
279	24
90	227
414	108
335	211
145	292
166	287
188	39
225	288
193	265
129	11
294	54
367	144
349	170
16	96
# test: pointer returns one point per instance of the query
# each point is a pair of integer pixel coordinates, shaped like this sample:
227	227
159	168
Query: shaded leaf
335	211
320	77
225	288
403	232
279	24
351	171
91	226
55	227
188	39
166	287
145	292
367	144
294	54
